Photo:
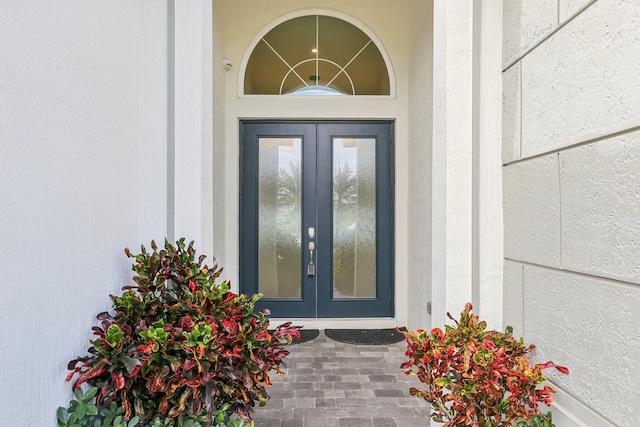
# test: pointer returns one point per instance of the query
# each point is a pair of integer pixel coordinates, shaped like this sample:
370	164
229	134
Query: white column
467	186
452	197
193	106
489	116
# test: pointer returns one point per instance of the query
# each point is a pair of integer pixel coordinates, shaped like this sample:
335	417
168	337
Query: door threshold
339	323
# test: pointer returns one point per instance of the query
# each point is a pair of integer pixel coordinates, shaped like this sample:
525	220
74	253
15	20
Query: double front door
316	217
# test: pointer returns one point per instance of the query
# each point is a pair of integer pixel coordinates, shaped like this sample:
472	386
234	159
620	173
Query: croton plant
179	349
477	377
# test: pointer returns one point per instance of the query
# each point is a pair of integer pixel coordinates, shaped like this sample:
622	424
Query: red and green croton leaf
475	377
181	344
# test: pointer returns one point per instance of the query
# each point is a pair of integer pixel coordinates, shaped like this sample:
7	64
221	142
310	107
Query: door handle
311	268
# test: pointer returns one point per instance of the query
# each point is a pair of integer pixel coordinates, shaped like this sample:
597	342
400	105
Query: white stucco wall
82	175
572	198
193	124
219	208
420	164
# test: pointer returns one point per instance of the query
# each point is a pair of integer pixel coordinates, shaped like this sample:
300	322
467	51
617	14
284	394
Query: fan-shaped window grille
316	55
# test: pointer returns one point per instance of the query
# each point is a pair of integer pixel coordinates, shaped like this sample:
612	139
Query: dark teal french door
316	217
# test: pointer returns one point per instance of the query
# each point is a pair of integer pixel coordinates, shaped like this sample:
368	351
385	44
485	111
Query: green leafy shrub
81	410
538	420
113	416
179	350
475	377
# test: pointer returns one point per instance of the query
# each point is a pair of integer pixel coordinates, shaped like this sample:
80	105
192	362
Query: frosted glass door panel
279	217
354	218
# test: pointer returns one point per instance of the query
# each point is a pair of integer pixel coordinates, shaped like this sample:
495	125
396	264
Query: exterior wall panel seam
607	280
520	106
576	145
549	35
560	220
590	411
522	306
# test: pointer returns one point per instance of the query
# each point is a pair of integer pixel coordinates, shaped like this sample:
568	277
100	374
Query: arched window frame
326	12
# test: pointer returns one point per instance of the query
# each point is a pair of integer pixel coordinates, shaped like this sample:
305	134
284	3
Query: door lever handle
311	268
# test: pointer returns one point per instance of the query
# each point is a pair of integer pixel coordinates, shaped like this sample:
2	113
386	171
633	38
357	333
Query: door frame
313	295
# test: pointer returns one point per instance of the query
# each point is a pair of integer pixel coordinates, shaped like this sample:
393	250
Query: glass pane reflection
354	218
279	223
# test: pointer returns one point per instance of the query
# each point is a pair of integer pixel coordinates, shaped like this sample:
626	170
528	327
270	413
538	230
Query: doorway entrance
316	217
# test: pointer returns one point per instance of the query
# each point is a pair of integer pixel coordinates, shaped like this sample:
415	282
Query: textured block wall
571	188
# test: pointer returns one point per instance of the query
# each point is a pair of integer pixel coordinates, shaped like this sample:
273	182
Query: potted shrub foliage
179	349
474	377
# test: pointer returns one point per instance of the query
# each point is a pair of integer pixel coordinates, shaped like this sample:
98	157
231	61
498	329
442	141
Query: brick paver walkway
332	384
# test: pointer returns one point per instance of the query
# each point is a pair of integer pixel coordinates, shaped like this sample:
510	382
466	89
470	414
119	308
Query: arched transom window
316	55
